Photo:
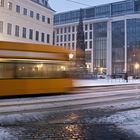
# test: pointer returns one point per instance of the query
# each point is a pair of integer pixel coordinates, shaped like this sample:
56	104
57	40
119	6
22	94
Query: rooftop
43	3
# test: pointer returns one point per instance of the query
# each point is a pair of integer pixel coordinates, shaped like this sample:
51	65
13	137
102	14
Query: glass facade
137	5
89	13
102	11
107	10
67	17
100	47
120	8
118	33
133	44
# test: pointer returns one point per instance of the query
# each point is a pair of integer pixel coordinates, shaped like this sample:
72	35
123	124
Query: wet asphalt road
71	125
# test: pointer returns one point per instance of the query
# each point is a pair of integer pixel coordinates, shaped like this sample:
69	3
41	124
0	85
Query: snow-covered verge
103	82
127	121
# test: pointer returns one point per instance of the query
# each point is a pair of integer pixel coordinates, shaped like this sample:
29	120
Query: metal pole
125	46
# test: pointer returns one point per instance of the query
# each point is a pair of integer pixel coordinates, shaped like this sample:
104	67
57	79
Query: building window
65	37
86	27
68	45
1	26
31	14
121	8
61	30
37	36
43	18
57	31
73	37
49	21
10	5
2	3
17	8
86	35
102	11
31	34
90	44
100	46
65	45
69	37
24	32
61	38
69	29
90	35
90	26
65	30
17	30
73	29
73	46
42	37
24	11
57	39
86	44
48	38
37	16
9	28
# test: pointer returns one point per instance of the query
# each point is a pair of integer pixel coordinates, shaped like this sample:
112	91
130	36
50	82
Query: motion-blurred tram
27	68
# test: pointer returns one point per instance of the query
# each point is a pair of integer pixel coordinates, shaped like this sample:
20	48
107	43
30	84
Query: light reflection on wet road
75	125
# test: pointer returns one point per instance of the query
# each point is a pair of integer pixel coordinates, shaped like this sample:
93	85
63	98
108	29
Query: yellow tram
33	69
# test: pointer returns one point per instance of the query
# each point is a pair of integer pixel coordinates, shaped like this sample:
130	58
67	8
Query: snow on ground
5	134
12	119
101	82
127	121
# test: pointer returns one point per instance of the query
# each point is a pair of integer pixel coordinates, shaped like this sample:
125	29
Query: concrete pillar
109	48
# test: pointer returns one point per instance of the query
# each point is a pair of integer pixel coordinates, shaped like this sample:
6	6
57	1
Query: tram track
49	99
69	102
73	107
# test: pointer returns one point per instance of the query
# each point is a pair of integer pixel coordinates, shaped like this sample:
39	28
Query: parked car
101	76
117	75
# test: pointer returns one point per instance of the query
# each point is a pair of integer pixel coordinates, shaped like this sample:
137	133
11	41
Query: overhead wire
78	2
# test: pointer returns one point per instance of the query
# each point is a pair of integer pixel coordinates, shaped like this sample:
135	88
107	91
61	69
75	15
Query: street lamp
71	56
101	70
136	66
71	66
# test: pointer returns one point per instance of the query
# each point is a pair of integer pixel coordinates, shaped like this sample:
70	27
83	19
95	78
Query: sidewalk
104	82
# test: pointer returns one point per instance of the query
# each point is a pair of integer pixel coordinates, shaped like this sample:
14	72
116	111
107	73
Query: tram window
6	70
28	70
40	70
23	70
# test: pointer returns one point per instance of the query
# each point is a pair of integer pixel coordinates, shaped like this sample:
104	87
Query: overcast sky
64	5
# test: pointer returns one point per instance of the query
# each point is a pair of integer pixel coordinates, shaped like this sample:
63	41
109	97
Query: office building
112	36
